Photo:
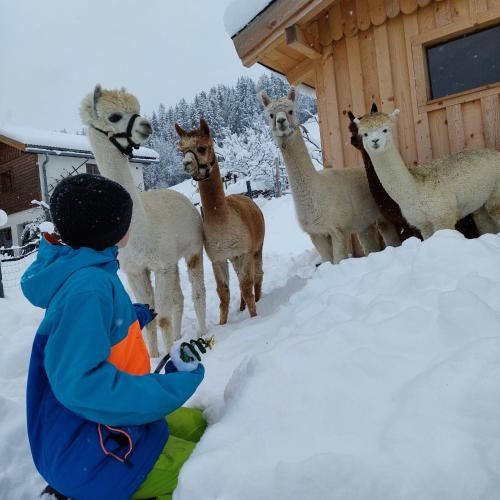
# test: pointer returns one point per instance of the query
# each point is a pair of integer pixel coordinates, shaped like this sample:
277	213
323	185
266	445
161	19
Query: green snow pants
186	428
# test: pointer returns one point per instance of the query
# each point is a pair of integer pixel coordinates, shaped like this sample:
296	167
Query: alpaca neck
394	175
300	168
213	198
115	166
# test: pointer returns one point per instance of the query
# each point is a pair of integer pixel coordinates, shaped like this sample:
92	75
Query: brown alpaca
233	225
387	206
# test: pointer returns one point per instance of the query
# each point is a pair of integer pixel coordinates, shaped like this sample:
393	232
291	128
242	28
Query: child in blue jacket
96	415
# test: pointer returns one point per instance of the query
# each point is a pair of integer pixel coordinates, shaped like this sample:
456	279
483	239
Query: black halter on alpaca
128	150
206	166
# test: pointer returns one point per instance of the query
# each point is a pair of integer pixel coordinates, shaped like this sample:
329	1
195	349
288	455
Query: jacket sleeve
85	383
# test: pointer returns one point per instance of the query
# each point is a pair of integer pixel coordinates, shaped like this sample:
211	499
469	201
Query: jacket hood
55	263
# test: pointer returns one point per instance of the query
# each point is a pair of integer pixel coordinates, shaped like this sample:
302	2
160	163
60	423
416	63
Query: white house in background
32	162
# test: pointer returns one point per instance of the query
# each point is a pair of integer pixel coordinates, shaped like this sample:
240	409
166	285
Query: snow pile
240	12
378	378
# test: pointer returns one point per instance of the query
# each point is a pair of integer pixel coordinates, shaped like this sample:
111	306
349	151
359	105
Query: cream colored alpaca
165	225
330	204
435	194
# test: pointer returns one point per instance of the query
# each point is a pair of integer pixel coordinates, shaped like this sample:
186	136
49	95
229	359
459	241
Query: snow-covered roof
59	143
239	13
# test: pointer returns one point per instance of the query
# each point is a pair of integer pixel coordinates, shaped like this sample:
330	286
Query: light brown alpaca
233	225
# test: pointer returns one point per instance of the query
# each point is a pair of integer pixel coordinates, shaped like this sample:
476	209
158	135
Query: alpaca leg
259	274
426	230
236	262
246	278
484	222
445	222
408	231
140	283
323	245
221	273
389	233
178	307
198	293
468	227
339	246
166	288
369	239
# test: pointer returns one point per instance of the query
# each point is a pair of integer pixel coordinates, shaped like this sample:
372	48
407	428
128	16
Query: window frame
419	44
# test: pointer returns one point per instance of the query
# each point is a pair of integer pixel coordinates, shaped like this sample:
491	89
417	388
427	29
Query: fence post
2	295
249	189
278	177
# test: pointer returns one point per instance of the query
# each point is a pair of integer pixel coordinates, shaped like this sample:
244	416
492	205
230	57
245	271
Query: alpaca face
281	113
376	131
112	111
198	149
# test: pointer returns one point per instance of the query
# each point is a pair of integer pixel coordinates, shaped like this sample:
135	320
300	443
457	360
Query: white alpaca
165	225
330	204
437	193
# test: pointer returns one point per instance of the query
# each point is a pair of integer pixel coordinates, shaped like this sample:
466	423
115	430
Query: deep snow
378	378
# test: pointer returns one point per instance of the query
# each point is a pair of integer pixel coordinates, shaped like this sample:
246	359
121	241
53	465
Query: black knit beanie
91	211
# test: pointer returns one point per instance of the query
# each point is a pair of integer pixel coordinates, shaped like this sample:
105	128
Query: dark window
6	237
465	63
6	184
92	169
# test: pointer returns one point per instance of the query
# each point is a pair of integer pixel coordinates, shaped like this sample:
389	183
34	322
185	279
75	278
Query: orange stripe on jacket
131	354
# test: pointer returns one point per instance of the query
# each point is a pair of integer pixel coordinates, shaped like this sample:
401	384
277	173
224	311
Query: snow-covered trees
236	119
251	154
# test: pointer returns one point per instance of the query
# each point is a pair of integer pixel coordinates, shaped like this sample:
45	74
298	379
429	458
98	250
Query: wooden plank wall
25	179
368	58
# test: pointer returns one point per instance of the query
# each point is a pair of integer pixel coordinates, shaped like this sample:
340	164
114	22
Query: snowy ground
378	378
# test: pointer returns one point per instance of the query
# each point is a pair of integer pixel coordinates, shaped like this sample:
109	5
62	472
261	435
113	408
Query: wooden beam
269	26
12	142
299	73
296	40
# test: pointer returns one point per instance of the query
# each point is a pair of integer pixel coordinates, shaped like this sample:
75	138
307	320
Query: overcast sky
53	52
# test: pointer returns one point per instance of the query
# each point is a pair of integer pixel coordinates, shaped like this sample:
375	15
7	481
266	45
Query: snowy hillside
378	378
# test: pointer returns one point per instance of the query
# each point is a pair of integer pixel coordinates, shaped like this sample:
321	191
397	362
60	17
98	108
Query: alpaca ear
180	131
291	94
374	108
95	99
357	121
394	115
204	127
351	116
264	98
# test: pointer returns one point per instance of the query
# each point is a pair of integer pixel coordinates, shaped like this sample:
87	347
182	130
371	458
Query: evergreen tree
238	126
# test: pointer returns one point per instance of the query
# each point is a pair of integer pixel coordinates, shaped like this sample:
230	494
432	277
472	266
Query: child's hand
145	314
184	359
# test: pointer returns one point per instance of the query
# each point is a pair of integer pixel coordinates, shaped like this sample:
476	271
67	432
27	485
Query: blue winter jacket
96	415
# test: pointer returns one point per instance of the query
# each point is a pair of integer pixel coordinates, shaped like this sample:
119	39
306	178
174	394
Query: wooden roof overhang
289	36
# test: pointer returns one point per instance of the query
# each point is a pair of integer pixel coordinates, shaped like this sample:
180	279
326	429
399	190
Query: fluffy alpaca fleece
233	225
436	194
330	204
389	208
165	225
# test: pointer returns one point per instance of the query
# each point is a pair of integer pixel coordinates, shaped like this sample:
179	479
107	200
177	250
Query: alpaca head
116	114
356	138
376	131
197	147
281	113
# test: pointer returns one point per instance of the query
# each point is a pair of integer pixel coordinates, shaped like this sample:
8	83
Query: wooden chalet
436	60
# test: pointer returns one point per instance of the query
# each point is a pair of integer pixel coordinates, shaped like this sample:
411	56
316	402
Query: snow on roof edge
240	13
35	139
